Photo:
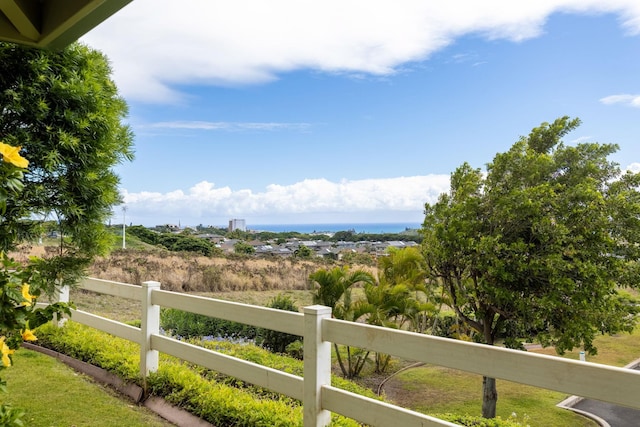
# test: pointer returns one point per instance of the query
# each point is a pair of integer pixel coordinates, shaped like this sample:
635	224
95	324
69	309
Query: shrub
280	362
273	340
188	325
295	350
473	421
116	355
218	403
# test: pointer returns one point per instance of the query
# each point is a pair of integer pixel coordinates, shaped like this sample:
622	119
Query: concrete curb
169	412
633	365
571	401
569	404
174	414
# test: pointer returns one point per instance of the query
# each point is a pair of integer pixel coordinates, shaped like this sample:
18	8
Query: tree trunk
489	390
489	397
344	371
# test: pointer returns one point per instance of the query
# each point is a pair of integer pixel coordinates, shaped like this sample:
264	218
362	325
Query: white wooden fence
616	385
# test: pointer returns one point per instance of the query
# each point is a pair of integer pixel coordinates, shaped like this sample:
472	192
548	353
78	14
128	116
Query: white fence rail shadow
610	384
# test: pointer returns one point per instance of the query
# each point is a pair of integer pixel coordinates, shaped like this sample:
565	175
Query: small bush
472	421
274	341
189	325
295	350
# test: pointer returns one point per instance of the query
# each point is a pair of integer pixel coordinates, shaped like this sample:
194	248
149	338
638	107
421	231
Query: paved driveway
616	416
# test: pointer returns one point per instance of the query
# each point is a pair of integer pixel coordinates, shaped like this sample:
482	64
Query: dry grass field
192	273
186	272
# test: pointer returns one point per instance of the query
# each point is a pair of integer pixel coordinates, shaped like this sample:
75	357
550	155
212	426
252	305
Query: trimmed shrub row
188	325
216	402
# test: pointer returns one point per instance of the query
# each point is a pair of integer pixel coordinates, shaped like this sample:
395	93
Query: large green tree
64	110
539	245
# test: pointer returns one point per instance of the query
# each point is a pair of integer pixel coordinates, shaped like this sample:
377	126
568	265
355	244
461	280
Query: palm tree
333	289
404	271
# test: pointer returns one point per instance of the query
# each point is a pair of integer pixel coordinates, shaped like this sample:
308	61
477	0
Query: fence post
317	366
61	294
150	325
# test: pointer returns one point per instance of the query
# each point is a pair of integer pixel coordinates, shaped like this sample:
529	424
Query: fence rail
610	384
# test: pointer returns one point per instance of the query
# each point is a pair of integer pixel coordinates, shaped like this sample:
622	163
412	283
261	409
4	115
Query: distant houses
287	248
320	248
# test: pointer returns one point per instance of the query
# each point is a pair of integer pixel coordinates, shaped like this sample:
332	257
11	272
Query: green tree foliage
238	234
344	236
244	248
303	252
173	242
193	244
404	272
144	234
352	236
538	246
64	111
332	288
20	286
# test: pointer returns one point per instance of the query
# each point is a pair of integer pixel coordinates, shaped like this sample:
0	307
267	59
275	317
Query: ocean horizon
359	228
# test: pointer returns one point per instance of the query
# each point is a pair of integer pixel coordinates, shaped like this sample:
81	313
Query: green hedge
471	421
189	325
183	324
216	402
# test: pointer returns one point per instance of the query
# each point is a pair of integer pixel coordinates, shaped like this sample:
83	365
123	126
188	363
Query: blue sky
353	111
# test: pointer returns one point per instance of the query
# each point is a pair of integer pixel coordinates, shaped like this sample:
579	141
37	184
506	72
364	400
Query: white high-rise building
237	224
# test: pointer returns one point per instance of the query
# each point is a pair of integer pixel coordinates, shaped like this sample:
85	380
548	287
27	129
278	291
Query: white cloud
374	197
624	99
155	45
582	139
633	167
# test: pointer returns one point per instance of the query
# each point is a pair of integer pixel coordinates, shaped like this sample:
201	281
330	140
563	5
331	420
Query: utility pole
124	216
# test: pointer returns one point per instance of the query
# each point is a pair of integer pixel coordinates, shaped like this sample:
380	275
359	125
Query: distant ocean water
372	228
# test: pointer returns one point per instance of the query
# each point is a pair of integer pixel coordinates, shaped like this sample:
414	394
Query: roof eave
53	24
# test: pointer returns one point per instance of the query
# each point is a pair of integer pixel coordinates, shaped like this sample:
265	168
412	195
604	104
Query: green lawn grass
433	389
614	350
52	394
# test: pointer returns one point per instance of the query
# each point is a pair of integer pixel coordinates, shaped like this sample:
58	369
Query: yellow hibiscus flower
27	296
27	335
6	352
12	155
